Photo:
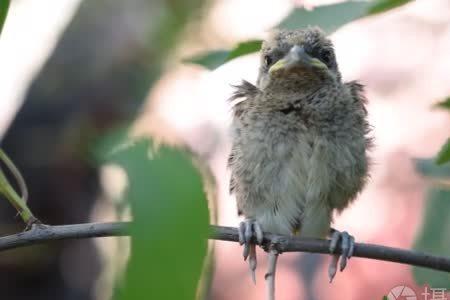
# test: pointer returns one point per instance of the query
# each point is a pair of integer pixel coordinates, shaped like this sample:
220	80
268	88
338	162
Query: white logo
402	292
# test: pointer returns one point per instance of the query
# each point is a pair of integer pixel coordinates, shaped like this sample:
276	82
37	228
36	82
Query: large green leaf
4	5
331	17
169	234
444	155
327	17
212	60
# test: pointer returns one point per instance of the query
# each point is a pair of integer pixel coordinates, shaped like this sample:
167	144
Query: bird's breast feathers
274	164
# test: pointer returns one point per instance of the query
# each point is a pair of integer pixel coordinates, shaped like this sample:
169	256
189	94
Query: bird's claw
347	244
249	232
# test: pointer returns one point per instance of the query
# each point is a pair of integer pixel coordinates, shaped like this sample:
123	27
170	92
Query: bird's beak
297	57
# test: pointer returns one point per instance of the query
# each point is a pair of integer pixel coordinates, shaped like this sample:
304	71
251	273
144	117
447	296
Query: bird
300	144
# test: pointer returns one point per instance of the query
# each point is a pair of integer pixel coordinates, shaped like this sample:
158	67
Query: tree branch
44	233
289	244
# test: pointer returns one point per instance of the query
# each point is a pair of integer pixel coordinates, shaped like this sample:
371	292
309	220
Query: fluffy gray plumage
300	139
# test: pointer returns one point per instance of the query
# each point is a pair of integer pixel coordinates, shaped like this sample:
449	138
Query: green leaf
434	237
331	17
169	232
429	169
327	17
444	155
444	104
384	5
105	147
245	48
4	5
214	59
210	60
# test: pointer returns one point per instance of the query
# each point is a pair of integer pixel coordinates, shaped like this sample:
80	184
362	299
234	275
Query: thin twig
43	233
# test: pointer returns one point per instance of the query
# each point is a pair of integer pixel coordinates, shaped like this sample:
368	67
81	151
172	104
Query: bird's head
297	60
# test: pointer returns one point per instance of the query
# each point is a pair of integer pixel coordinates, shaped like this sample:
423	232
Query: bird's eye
326	57
267	60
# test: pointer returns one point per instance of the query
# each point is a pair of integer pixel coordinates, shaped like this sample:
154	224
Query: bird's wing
360	100
357	93
242	97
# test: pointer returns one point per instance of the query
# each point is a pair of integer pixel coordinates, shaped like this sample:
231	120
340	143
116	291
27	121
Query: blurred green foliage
210	60
328	17
434	237
429	169
4	5
444	154
444	104
331	17
169	234
214	59
384	5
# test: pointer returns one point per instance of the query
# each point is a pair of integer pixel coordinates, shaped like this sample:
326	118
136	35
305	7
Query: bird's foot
347	244
249	233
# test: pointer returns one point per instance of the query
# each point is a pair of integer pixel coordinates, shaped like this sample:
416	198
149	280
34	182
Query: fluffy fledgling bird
300	142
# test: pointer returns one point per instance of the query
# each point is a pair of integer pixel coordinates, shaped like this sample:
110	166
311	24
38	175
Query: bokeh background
79	76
